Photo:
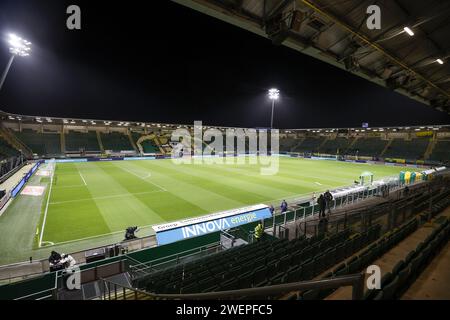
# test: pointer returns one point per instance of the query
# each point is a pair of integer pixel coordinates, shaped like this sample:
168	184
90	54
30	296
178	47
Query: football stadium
106	205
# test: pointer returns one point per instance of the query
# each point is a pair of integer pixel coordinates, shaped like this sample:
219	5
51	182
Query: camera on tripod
130	233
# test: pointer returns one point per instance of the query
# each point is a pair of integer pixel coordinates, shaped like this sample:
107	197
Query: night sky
163	62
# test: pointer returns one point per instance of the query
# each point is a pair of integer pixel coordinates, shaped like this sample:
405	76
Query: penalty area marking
82	178
143	178
46	243
46	208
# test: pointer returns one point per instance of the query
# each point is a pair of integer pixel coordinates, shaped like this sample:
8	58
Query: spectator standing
321	202
328	199
284	206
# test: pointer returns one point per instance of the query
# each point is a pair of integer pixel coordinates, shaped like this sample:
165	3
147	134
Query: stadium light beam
274	94
17	47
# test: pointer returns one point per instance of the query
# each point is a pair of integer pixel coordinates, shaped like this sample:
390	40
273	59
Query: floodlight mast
17	47
274	94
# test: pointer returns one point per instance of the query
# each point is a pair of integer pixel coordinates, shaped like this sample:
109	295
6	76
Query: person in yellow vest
259	231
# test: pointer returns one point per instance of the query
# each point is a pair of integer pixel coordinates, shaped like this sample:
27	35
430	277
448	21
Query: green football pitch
98	199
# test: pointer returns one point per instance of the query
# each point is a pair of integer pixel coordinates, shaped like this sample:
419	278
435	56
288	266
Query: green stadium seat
410	256
293	274
319	263
415	265
192	288
366	259
231	284
339	268
371	294
354	266
342	272
390	289
379	295
245	280
308	269
340	252
403	275
399	266
330	254
259	275
311	294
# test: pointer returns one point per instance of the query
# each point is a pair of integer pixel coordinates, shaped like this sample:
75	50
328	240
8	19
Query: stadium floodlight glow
439	61
408	31
274	94
17	47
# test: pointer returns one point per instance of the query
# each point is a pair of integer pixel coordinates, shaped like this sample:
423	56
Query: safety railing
143	268
115	291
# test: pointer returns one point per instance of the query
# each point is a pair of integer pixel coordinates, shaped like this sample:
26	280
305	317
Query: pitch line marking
107	197
98	236
46	208
84	181
143	178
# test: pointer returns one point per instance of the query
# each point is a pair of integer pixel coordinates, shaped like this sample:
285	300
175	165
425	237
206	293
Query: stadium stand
310	144
287	143
335	146
441	151
7	150
116	141
371	147
76	141
43	144
413	149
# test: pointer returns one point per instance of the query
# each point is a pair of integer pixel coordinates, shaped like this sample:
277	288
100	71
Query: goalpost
51	166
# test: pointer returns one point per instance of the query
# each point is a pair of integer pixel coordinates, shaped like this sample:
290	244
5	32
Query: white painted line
49	242
101	235
143	178
84	181
46	207
108	197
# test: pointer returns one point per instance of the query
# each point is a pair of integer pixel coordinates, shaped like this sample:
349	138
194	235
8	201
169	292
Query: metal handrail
151	264
356	281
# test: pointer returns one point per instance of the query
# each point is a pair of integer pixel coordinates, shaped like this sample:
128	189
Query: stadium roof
75	122
335	31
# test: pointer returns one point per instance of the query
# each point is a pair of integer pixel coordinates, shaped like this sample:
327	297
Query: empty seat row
406	271
278	256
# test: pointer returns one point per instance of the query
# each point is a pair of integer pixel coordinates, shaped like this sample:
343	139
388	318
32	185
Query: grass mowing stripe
107	197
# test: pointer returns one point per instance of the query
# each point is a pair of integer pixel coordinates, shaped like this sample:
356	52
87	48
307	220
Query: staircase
298	144
430	148
323	143
350	146
133	144
63	141
15	142
386	147
158	144
100	143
